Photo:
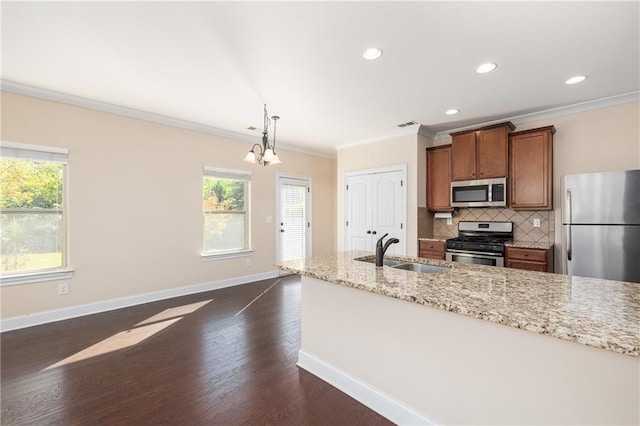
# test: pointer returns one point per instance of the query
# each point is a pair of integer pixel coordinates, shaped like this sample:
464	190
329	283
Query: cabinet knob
526	255
368	232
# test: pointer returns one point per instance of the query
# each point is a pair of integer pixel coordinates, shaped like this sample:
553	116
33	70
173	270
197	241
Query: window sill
230	255
36	277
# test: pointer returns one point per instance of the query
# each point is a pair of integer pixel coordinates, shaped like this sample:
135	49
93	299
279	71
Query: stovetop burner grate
486	237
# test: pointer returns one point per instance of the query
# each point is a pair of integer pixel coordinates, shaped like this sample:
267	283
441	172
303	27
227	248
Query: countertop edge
558	331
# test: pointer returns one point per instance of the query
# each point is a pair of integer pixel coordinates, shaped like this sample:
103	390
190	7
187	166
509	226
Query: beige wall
392	152
605	139
135	203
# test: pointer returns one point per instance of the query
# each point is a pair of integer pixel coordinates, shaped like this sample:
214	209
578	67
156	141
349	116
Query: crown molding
52	95
552	113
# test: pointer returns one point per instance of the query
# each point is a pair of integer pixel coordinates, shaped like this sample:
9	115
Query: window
33	219
226	218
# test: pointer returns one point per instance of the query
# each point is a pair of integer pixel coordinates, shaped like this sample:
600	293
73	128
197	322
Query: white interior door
375	204
294	218
359	216
388	208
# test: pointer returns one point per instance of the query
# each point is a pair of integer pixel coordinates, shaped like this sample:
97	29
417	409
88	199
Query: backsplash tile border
523	230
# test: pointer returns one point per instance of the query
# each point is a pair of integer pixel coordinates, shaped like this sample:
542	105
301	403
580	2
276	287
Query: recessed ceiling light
452	111
372	53
576	79
484	68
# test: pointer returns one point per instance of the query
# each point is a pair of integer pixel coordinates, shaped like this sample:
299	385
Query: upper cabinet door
480	153
531	169
439	178
463	156
492	153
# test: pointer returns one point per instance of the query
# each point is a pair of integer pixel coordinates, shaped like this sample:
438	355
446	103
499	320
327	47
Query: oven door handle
470	253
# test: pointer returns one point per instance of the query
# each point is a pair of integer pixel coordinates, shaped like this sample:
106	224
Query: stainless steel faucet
381	250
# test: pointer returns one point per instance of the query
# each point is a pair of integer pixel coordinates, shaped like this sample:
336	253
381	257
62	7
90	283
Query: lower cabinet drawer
529	266
531	255
531	259
431	249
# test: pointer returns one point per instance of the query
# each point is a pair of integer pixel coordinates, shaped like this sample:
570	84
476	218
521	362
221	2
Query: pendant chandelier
265	154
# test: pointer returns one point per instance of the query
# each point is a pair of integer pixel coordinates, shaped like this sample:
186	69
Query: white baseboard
362	392
38	318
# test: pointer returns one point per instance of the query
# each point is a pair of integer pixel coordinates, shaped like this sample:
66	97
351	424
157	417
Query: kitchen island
473	344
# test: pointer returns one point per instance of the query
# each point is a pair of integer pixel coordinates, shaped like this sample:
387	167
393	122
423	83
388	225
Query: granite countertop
598	313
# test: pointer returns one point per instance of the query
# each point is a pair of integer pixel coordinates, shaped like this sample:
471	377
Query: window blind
294	244
34	152
227	173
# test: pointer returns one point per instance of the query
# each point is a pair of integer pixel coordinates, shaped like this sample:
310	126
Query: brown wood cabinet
531	169
480	153
431	249
439	178
531	259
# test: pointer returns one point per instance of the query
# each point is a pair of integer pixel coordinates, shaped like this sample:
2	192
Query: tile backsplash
523	230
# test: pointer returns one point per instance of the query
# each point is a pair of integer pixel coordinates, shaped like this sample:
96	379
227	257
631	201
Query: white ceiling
215	63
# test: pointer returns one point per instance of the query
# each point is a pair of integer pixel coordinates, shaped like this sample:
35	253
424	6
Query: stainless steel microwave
479	193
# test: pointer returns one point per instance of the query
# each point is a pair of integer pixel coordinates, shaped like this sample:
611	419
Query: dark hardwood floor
224	363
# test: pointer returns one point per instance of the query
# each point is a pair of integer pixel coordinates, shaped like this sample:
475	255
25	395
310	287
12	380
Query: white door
360	216
294	218
388	208
375	204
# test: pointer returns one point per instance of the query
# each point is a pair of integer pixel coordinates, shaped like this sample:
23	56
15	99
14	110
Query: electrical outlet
536	223
449	221
63	288
247	262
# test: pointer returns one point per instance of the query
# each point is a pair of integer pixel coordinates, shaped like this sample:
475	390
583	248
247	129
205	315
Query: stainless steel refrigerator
601	225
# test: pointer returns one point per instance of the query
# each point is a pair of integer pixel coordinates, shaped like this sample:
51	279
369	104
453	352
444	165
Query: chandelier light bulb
250	157
268	155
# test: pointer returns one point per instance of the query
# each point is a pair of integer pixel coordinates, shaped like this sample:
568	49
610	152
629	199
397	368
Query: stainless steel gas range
480	242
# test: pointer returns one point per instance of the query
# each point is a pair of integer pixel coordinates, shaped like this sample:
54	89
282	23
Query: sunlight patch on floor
178	311
137	334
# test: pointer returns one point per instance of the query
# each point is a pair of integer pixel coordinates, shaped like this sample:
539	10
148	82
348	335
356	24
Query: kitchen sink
421	267
408	266
386	262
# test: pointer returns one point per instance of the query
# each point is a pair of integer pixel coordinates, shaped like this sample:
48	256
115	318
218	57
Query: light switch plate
536	223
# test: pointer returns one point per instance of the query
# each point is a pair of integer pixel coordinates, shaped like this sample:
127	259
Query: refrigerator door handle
569	248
